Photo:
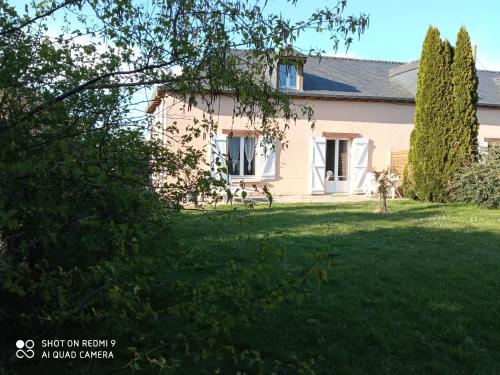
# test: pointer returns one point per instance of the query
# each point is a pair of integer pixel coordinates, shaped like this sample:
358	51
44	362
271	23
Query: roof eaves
489	105
329	95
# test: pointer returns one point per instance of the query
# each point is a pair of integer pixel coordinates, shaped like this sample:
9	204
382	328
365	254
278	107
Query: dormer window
288	76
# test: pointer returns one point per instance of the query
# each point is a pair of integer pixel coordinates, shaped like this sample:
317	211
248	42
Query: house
364	112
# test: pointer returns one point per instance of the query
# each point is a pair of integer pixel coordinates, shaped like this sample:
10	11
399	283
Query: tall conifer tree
433	118
463	134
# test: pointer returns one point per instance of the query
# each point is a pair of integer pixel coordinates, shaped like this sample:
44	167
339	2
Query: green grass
414	291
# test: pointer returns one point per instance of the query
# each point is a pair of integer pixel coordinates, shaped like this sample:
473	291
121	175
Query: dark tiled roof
489	87
383	80
357	79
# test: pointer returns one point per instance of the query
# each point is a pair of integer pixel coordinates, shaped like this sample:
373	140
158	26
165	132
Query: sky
397	27
396	31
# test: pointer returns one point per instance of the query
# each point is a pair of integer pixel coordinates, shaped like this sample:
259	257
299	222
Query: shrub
80	213
408	189
479	182
385	179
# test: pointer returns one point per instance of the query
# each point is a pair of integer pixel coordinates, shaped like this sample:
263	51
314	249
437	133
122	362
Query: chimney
474	51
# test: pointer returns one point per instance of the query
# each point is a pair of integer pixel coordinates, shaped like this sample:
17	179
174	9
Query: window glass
288	76
241	156
330	156
233	162
249	162
342	161
292	74
282	74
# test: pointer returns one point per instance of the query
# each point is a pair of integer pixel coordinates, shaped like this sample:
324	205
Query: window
337	159
330	159
492	142
288	76
241	156
342	160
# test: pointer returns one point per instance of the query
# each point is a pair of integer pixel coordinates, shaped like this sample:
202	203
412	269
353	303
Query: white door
337	166
359	162
318	151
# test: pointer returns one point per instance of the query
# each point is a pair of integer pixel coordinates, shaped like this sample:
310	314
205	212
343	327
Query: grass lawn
415	291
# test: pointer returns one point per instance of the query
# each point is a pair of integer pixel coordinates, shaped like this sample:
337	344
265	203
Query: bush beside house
479	182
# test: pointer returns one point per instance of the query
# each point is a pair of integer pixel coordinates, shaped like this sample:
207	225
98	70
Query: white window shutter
318	165
267	156
218	147
359	163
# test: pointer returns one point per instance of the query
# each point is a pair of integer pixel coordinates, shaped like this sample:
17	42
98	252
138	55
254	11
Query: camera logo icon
24	349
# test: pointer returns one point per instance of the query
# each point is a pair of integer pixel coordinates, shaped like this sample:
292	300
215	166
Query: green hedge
479	182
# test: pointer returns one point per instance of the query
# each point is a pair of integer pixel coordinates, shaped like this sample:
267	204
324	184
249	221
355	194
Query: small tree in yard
385	180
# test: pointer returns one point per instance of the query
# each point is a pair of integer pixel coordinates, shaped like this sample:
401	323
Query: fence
398	161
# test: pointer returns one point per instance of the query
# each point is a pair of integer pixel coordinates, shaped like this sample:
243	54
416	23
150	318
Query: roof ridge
488	71
392	62
360	59
368	60
479	70
336	57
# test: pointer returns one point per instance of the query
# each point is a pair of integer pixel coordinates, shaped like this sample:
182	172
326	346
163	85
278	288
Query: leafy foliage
479	182
79	211
385	180
408	190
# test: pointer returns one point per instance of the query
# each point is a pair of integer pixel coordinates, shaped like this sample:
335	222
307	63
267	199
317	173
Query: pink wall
387	125
490	123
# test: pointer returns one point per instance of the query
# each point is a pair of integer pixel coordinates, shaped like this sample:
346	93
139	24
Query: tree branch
91	83
40	16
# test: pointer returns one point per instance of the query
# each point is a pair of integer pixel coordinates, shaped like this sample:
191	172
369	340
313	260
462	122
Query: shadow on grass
410	293
294	218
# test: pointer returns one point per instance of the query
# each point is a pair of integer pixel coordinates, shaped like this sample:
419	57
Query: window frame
492	142
287	76
336	159
242	158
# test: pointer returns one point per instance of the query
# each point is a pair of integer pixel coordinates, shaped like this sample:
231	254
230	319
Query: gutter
321	96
